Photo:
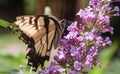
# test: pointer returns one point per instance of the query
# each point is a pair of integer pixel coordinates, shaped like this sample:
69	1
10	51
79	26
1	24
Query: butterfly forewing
39	32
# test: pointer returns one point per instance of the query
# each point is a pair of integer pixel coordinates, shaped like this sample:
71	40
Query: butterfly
40	33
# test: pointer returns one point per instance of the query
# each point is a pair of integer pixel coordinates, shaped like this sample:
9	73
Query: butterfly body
39	33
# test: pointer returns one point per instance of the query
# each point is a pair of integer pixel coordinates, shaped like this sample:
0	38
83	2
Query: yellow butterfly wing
39	32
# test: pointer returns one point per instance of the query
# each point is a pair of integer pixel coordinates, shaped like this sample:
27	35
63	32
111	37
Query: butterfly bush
80	46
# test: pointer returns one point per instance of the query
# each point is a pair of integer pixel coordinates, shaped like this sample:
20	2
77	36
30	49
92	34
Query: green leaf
4	24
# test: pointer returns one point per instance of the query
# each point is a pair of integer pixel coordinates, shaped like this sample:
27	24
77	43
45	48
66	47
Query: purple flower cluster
80	46
52	69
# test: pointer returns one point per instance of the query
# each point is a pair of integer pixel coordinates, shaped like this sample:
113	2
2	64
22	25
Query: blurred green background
12	50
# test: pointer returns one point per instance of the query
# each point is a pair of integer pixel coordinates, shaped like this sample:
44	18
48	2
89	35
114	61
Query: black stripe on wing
46	21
